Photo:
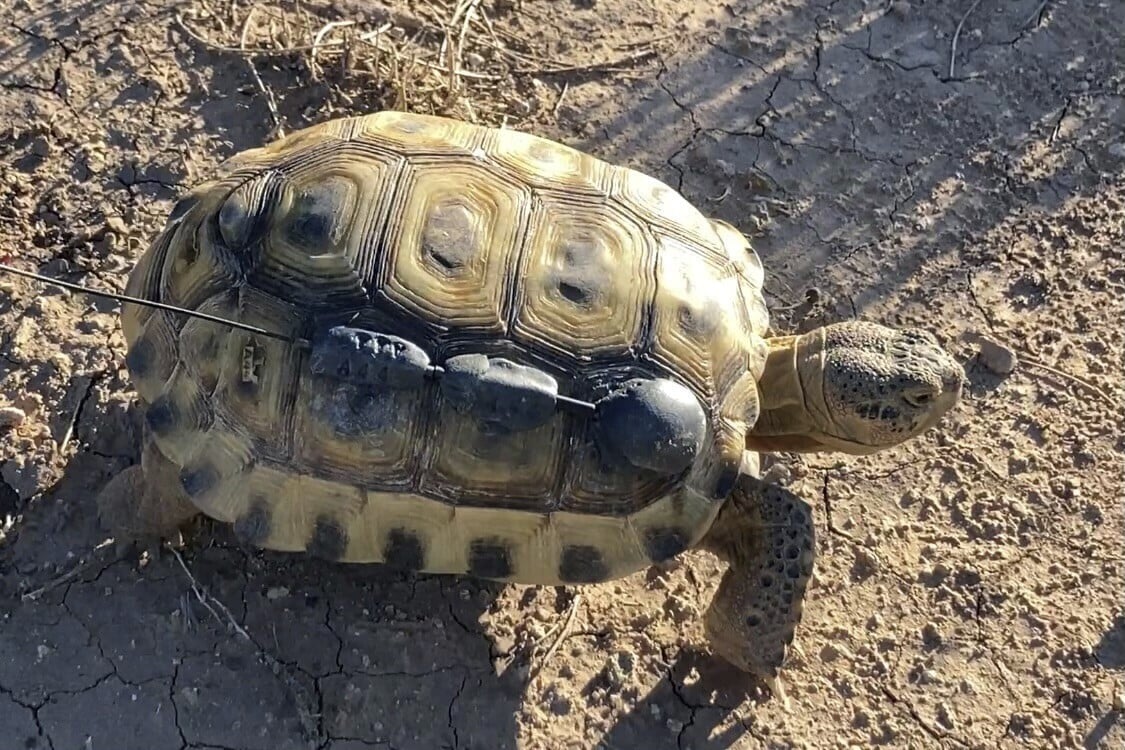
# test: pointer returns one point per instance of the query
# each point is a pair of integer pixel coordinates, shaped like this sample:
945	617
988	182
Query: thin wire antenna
437	371
302	343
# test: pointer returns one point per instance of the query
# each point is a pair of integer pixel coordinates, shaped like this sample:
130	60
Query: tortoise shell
474	250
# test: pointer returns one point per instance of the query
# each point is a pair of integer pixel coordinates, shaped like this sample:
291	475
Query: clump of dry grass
447	58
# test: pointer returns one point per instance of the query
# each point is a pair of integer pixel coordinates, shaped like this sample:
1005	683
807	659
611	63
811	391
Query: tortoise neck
792	402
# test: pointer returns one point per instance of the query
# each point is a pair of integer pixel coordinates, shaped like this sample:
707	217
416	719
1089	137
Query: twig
1072	378
271	105
618	65
957	35
205	599
565	630
244	51
59	580
562	95
721	196
1036	15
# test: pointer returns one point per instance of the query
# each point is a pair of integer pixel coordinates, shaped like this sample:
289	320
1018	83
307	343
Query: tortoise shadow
329	651
690	707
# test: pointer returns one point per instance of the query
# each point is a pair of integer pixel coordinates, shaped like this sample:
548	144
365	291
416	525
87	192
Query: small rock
41	147
946	717
1117	150
1119	698
117	225
997	357
900	9
930	677
832	652
931	636
725	168
11	416
276	592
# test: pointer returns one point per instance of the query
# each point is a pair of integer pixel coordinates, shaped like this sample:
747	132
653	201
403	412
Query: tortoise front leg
765	534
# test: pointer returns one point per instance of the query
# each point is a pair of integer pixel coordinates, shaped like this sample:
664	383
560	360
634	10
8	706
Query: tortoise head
855	387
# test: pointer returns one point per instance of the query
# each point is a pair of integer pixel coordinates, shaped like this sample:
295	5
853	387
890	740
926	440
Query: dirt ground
970	586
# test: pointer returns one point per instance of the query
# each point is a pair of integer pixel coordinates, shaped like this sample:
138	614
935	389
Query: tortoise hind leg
145	503
765	534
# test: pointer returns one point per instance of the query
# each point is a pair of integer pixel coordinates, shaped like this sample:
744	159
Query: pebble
117	224
998	358
1119	698
11	416
276	592
41	147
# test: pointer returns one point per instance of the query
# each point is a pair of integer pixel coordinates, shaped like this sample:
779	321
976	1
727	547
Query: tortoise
456	349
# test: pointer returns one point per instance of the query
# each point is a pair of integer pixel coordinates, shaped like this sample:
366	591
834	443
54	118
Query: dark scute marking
654	424
314	221
702	320
889	412
582	563
583	277
199	479
245	212
490	558
665	543
162	415
235	221
576	294
450	237
141	357
352	412
329	540
754	620
254	527
404	550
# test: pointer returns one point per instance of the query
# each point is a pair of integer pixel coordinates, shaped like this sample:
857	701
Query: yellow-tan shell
459	238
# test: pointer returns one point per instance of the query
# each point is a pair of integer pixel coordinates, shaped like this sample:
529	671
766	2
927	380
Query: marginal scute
654	424
404	550
140	358
490	558
329	540
199	479
162	415
254	527
582	563
663	544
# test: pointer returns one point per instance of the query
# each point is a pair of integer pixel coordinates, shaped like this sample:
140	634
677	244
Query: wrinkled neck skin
794	414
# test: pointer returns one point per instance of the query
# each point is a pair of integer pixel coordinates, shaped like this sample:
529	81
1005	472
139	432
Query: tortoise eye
918	399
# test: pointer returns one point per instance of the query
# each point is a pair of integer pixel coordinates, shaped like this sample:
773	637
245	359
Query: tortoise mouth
812	442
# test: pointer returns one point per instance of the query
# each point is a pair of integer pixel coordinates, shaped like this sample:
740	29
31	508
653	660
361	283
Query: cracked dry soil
969	589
